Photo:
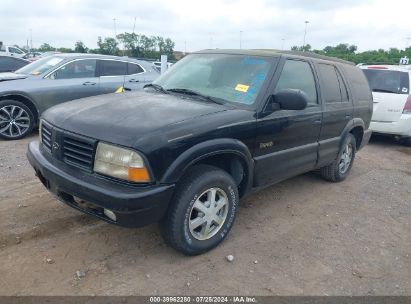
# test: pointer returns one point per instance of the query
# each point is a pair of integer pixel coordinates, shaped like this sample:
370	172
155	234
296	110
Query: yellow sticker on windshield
242	88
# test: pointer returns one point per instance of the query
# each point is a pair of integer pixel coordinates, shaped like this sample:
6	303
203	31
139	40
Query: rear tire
16	120
202	211
339	169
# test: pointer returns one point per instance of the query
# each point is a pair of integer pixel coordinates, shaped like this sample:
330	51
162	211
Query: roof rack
316	56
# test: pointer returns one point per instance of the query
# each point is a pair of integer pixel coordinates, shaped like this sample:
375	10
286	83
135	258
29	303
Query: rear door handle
347	116
134	80
89	83
317	121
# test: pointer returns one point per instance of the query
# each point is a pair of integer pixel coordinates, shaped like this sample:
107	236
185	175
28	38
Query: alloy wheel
346	159
208	214
14	121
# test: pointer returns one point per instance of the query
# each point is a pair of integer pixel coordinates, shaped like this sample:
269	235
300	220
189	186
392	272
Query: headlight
120	163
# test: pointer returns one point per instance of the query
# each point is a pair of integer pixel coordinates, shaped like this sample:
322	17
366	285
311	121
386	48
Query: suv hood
125	118
11	76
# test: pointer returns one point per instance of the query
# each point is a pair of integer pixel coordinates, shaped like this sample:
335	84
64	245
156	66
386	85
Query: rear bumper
134	206
401	127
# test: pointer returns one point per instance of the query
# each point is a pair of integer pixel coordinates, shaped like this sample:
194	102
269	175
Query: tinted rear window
112	68
388	81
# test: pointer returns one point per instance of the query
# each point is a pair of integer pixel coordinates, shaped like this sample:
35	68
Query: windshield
233	78
40	66
388	81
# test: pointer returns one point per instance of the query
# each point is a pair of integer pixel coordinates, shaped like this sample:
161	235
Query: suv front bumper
133	206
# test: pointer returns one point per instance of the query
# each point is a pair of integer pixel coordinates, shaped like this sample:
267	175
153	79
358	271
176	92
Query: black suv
216	126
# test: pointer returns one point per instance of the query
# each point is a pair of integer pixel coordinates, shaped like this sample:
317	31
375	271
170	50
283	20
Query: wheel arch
230	155
355	127
26	101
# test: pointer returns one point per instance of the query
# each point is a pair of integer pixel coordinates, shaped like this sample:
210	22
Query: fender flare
206	149
355	122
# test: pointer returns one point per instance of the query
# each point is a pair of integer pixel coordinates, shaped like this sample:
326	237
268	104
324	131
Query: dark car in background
25	94
11	64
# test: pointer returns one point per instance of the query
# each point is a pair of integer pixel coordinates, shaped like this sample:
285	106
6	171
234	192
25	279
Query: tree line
349	52
124	44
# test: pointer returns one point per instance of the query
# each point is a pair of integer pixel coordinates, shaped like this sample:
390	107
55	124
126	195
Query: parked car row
27	93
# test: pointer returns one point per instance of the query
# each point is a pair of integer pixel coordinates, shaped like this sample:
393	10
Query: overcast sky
200	24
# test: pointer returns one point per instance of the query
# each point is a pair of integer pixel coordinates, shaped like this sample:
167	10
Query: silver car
25	94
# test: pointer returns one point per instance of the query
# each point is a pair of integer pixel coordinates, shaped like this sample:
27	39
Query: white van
11	51
390	85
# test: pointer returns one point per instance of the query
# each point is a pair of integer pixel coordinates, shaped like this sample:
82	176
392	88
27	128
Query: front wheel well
358	133
231	163
26	101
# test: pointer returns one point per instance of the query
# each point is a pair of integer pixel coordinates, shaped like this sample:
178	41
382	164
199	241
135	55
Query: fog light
110	214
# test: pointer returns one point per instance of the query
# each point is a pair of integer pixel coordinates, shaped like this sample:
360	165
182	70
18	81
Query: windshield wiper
197	94
156	87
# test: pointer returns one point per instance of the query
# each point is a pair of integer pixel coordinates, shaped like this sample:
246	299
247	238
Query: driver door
74	80
287	140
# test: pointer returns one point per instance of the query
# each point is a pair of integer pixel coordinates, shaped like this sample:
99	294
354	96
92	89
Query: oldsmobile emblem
56	146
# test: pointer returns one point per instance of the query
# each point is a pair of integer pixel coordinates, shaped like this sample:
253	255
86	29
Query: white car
11	51
390	85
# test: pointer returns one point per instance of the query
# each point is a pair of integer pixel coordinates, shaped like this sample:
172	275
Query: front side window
231	78
112	68
298	74
76	69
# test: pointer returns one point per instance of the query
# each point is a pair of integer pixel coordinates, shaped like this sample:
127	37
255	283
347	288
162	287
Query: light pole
282	43
115	28
408	42
305	32
241	39
31	39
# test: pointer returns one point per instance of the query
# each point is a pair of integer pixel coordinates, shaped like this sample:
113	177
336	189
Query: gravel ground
304	236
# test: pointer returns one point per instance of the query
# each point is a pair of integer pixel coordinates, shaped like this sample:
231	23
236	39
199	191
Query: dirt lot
303	236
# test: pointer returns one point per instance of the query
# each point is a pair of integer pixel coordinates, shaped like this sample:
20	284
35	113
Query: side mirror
289	99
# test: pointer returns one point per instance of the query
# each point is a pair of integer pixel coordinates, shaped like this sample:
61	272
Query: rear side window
298	75
112	68
134	69
343	88
331	91
387	81
10	64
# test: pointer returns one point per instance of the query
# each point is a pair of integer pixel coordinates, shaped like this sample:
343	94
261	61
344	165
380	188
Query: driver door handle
88	83
134	80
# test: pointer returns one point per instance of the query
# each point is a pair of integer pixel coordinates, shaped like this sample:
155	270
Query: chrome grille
46	135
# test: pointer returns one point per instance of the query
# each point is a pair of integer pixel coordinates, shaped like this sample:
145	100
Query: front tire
202	211
16	120
339	169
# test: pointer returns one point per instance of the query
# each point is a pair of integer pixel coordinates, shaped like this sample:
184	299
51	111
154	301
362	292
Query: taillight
407	107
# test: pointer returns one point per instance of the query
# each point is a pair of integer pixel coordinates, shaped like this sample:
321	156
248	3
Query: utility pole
305	32
185	47
31	40
282	43
115	29
408	42
134	26
241	39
